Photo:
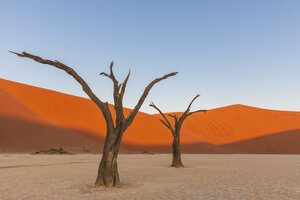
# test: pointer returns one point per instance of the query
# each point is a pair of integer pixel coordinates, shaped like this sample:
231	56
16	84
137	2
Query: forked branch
197	111
118	93
113	78
175	117
135	110
188	108
166	122
187	111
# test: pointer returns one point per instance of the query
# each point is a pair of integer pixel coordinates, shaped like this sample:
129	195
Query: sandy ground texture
38	177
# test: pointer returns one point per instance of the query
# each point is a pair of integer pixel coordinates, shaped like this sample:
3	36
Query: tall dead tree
108	169
175	130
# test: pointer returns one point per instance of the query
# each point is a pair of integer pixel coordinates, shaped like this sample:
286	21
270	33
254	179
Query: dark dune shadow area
286	142
21	136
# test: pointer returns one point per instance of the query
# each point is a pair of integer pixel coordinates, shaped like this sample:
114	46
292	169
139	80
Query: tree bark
176	152
108	174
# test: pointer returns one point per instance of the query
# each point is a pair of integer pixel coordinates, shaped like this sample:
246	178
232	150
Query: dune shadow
285	142
21	136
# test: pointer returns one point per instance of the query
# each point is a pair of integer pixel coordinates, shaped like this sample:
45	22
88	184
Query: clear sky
230	52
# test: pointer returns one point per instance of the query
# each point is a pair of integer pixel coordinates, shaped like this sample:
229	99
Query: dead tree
175	130
108	169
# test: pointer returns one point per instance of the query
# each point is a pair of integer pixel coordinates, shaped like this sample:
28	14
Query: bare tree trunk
108	174
176	152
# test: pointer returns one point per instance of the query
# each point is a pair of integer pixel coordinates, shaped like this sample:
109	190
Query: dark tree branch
135	110
190	113
197	111
105	74
124	84
118	104
175	117
187	113
103	106
112	77
112	72
188	108
162	121
166	122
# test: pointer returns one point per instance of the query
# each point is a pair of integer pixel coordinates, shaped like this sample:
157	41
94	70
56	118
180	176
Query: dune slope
245	129
33	118
46	115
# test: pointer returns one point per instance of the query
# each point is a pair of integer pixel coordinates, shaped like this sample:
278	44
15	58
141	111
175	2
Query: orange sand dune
33	118
48	108
238	122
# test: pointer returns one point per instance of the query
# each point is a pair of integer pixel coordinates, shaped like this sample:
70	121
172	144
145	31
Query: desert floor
150	177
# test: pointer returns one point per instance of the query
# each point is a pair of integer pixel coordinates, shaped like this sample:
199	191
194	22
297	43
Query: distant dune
32	119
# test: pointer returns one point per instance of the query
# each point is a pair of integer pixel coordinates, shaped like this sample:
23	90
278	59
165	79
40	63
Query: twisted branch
166	122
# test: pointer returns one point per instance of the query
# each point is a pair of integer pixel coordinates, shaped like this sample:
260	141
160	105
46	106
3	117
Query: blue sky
230	52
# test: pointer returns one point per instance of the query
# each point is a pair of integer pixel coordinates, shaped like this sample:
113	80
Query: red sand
35	111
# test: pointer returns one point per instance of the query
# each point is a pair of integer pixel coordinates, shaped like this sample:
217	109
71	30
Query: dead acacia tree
175	130
108	169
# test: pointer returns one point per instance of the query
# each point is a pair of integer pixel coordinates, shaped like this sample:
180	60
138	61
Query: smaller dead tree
175	130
